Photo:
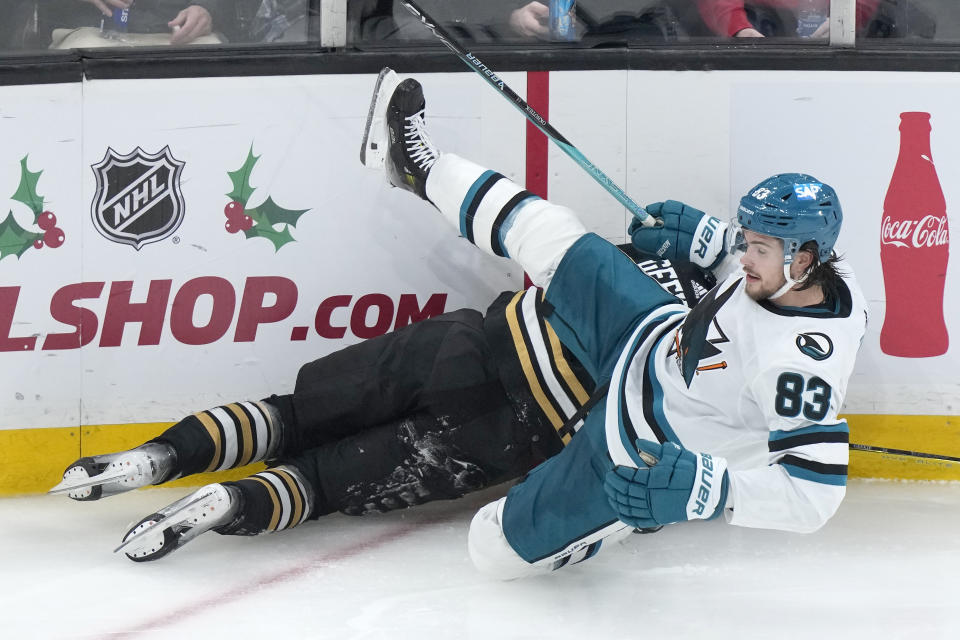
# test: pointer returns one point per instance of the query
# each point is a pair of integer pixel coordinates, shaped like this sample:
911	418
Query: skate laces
419	147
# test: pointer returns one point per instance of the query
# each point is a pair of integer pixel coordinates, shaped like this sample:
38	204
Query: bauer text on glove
687	235
682	485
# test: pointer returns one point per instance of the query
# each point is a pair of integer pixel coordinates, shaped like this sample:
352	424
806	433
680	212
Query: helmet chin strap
790	284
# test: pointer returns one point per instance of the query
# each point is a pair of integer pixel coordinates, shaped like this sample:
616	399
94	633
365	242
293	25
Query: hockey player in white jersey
730	408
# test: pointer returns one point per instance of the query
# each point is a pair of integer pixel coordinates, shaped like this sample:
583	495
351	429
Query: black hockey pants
409	417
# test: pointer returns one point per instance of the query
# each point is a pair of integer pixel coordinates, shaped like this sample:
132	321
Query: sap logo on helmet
761	193
808	191
817	345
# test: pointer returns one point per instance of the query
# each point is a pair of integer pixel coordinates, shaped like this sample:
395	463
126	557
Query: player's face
763	265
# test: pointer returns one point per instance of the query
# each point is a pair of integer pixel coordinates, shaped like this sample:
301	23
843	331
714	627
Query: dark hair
827	275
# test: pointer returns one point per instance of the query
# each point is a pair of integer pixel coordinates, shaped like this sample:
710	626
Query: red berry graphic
246	223
233	210
38	244
231	226
53	237
47	220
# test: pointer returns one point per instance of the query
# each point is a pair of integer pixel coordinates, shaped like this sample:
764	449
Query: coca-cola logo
928	231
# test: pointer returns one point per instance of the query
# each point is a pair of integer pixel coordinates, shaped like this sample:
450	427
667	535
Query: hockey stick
539	121
902	452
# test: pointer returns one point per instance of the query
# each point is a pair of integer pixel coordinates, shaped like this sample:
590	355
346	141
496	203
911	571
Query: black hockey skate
161	533
95	477
395	136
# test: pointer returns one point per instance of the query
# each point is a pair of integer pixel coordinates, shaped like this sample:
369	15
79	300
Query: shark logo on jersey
715	336
692	342
817	345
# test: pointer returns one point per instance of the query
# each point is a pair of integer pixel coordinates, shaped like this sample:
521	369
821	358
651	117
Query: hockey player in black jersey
435	410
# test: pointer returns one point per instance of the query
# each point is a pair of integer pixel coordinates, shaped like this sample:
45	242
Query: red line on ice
177	616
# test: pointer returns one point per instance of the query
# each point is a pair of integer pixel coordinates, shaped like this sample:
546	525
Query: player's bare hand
190	24
749	32
106	7
531	20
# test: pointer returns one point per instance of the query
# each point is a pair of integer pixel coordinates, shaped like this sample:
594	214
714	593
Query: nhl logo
138	198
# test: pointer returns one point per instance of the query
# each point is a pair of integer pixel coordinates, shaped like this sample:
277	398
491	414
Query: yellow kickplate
934	435
33	460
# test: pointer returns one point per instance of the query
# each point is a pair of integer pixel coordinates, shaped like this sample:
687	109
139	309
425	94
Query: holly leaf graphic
27	191
278	238
14	239
242	189
271	213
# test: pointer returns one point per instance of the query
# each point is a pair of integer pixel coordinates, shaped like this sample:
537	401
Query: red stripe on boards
538	97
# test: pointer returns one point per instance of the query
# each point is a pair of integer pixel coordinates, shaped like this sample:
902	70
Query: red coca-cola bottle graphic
914	248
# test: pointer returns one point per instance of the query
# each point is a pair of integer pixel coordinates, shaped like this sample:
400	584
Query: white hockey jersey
757	384
761	386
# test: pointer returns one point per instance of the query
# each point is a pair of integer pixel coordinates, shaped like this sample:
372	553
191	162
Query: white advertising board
40	161
141	318
152	308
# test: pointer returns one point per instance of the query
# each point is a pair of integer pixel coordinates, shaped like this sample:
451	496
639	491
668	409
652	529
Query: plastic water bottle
811	15
561	19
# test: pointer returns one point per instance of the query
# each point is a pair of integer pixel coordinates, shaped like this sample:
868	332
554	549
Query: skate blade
373	149
170	519
68	484
152	546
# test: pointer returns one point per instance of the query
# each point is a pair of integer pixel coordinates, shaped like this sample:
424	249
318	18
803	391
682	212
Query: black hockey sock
225	437
272	500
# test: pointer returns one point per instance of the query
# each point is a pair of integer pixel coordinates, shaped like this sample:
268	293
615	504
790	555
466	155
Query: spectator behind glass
599	21
531	20
183	21
759	18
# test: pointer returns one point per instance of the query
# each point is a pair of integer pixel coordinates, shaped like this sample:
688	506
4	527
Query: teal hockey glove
687	235
682	485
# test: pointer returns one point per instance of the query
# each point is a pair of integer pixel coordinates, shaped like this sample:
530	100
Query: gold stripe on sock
272	491
211	426
246	432
295	492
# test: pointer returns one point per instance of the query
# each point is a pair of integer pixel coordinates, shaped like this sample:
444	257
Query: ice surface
885	566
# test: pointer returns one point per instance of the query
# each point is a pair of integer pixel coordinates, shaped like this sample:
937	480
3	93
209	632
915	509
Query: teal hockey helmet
796	208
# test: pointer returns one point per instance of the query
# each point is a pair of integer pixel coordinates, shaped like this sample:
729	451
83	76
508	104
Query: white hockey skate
395	137
170	528
92	478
